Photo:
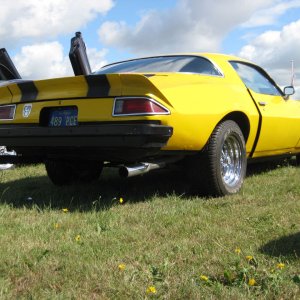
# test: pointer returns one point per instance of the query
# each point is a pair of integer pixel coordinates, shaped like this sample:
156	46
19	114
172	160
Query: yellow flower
121	200
77	238
237	250
65	210
56	225
251	282
280	266
151	290
249	257
121	267
203	277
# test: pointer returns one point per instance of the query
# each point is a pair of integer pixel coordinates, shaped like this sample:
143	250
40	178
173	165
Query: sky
37	33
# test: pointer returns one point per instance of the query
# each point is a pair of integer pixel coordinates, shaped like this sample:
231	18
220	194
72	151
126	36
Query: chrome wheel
220	168
231	160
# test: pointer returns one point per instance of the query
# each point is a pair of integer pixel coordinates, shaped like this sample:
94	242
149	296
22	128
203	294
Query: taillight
7	112
138	106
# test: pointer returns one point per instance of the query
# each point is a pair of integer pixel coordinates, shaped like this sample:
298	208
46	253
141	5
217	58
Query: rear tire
298	160
70	172
220	168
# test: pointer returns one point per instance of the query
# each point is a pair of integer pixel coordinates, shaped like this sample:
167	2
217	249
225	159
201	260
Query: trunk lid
90	86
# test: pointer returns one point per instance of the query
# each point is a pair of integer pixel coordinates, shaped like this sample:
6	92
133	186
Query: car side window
256	80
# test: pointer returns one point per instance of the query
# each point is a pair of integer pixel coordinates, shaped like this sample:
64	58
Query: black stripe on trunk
98	86
29	91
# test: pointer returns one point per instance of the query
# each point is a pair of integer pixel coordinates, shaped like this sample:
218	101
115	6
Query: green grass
164	237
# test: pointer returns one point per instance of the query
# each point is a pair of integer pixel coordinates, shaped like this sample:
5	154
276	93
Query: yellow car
211	111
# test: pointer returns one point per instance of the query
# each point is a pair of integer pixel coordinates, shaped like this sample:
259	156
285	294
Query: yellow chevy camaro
211	111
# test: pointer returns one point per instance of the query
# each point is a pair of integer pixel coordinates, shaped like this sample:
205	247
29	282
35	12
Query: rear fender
138	85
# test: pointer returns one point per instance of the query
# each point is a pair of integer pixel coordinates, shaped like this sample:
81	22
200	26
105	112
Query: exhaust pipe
145	167
139	169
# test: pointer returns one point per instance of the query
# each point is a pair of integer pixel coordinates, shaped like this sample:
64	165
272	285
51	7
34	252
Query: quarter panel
199	103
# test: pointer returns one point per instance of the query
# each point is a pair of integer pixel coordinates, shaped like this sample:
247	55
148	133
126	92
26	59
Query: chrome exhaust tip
145	167
139	169
134	170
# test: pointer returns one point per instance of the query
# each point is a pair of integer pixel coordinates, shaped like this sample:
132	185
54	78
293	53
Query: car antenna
292	73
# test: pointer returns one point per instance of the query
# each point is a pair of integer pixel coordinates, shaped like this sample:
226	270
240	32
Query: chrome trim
262	103
14	105
139	114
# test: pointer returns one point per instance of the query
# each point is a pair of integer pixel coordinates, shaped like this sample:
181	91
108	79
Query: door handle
262	103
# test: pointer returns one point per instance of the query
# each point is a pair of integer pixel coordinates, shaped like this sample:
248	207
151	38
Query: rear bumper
101	141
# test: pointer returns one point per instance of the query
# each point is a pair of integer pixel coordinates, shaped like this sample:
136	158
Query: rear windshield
185	64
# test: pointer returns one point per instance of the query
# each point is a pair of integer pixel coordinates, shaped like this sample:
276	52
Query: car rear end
112	117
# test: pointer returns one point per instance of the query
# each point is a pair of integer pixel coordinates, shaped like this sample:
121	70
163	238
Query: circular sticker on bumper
27	110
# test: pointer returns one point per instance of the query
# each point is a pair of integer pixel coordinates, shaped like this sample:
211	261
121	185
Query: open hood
78	56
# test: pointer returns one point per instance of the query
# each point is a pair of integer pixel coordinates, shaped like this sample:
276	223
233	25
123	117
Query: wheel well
242	120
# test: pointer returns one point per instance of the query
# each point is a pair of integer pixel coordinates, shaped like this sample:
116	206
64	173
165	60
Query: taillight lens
7	112
138	106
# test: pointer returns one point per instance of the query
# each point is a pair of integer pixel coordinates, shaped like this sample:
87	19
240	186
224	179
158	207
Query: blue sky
37	32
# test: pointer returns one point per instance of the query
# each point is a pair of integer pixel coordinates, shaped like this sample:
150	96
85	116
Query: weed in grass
151	290
122	267
246	272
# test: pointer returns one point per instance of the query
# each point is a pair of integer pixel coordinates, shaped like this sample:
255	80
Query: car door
280	117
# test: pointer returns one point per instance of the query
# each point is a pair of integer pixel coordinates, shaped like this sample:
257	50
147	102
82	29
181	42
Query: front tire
70	172
220	168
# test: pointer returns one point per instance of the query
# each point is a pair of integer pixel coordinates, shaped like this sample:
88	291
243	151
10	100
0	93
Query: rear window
184	64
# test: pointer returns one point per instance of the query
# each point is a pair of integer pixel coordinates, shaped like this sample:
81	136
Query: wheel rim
231	161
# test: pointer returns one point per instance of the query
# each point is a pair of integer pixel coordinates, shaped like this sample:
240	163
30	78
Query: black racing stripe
98	85
259	125
28	90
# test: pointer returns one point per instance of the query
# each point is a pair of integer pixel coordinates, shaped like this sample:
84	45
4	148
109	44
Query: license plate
63	117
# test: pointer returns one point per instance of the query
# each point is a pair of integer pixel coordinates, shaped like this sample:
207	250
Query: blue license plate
63	117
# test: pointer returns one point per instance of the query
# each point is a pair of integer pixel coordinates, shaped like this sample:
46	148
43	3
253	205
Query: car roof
208	55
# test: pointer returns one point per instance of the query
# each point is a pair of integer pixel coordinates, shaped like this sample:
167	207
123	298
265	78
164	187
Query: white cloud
43	60
297	94
275	47
96	58
41	19
47	60
274	50
192	25
268	16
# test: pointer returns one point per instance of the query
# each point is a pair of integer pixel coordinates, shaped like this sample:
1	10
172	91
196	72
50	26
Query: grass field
161	242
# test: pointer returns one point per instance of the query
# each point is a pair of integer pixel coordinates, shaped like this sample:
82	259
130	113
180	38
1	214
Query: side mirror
289	90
